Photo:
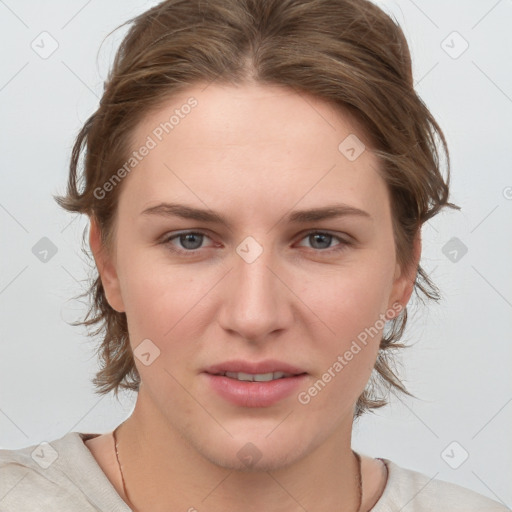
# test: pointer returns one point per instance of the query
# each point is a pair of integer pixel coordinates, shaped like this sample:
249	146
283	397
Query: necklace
357	456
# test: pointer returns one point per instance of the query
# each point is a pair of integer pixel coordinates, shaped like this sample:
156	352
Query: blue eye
190	242
323	239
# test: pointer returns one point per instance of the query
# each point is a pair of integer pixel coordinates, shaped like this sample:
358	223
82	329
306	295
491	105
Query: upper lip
267	366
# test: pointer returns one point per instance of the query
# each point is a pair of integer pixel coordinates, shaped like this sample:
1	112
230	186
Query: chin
258	463
256	453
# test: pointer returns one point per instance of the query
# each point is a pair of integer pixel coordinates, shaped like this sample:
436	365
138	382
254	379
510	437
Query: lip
253	394
266	366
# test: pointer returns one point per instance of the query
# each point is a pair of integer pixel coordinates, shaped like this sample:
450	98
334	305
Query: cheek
165	304
155	293
351	299
351	305
170	320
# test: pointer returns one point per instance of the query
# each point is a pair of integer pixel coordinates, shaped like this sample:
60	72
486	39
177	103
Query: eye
321	241
189	241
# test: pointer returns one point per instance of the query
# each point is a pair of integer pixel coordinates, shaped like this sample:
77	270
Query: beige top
63	476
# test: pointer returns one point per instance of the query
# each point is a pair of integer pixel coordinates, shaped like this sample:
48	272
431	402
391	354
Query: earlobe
106	268
404	281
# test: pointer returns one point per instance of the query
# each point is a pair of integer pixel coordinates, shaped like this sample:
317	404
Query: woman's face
258	286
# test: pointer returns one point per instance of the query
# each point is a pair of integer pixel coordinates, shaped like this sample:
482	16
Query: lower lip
254	394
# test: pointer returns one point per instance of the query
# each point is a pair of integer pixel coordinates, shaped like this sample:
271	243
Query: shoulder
411	491
59	475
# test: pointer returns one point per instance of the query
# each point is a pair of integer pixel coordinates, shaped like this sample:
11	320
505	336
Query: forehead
252	147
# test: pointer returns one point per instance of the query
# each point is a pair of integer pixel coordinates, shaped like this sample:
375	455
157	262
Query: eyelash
192	252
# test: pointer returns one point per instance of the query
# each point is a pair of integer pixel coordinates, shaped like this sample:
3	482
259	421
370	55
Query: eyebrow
295	217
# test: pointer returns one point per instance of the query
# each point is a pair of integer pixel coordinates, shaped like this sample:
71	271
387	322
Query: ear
106	268
403	284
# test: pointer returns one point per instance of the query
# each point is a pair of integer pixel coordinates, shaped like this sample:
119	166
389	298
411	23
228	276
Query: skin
254	154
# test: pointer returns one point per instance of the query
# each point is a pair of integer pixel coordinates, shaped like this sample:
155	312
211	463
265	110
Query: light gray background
461	349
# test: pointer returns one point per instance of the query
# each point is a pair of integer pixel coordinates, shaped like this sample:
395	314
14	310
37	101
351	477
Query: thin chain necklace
359	476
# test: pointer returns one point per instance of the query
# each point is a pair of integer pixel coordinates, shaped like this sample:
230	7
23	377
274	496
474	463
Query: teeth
264	377
257	377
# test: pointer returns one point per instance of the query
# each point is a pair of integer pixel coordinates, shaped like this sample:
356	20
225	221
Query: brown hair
347	52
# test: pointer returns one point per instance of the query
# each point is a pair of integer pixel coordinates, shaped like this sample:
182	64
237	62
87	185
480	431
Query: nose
256	301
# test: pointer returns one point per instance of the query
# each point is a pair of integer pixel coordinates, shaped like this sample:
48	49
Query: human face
257	288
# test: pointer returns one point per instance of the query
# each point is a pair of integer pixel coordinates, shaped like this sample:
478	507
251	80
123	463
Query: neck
163	471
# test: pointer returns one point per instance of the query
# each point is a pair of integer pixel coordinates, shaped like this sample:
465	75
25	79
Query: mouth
262	371
250	384
256	377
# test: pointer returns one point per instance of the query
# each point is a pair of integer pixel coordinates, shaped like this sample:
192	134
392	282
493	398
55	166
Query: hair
349	53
